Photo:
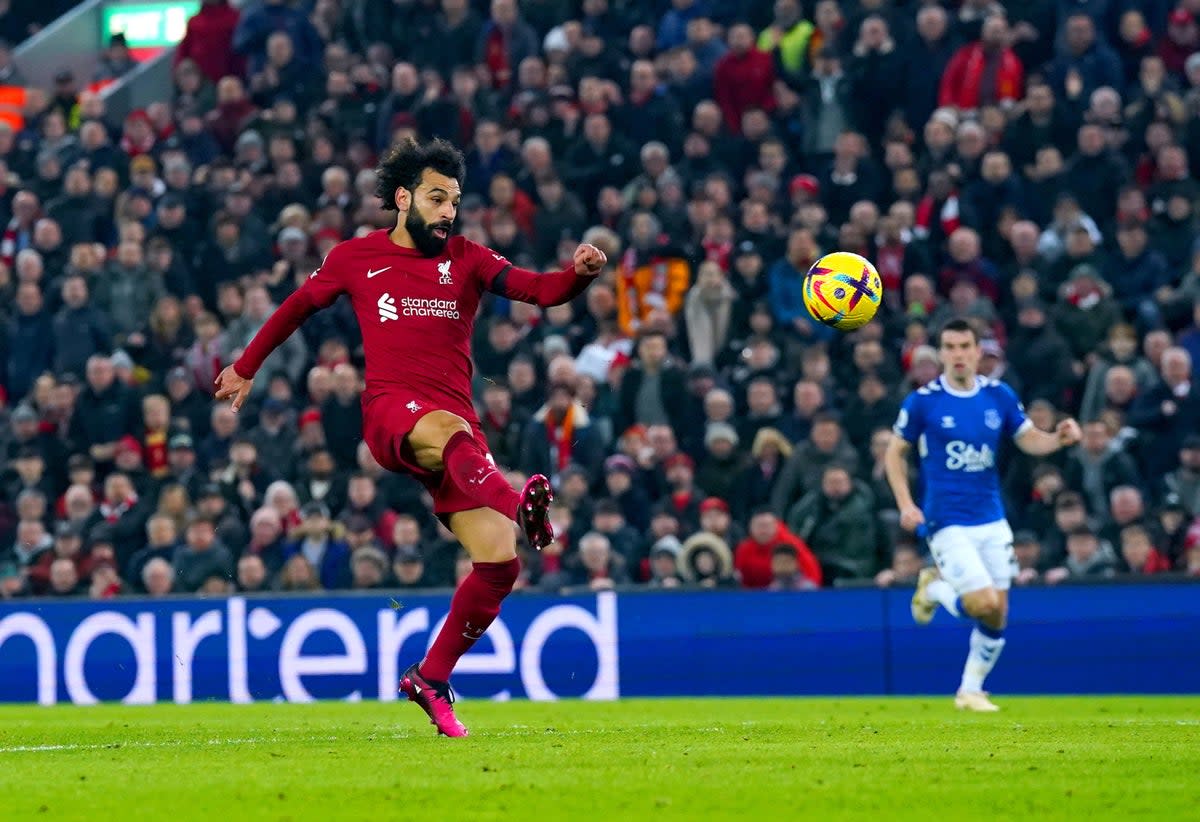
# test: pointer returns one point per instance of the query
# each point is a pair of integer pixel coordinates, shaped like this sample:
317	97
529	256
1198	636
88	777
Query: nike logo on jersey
387	308
372	273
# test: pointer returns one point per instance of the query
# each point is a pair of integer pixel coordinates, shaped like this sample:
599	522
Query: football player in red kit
415	290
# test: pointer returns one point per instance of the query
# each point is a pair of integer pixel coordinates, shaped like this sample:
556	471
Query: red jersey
416	313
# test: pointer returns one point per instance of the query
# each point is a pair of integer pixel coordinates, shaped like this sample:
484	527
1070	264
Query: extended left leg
489	538
491	542
990	609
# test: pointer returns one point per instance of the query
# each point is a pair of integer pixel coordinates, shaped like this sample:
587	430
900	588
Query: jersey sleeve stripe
498	286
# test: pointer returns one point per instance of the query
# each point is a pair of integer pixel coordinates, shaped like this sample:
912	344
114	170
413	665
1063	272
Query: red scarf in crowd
495	55
8	245
966	70
155	453
561	435
889	262
947	215
718	253
112	513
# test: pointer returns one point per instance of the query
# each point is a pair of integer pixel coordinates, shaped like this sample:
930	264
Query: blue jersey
957	435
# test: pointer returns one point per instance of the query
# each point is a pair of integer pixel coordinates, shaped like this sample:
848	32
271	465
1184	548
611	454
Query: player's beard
428	243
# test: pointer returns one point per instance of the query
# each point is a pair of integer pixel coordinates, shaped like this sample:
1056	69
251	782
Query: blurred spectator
1040	356
201	556
595	566
785	571
769	453
67	545
298	575
1137	272
253	30
1166	413
105	582
1087	557
837	522
906	564
826	445
504	41
368	569
786	278
664	568
709	310
1182	39
208	41
561	433
706	561
651	276
1138	553
876	70
162	542
158	577
743	79
408	568
252	577
1098	465
1120	349
753	555
123	513
79	330
1084	63
985	72
1028	551
115	61
652	392
722	462
313	541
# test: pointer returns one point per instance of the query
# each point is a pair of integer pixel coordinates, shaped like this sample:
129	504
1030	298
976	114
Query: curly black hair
403	164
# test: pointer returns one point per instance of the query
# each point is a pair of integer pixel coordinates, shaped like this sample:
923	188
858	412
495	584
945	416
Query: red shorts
387	421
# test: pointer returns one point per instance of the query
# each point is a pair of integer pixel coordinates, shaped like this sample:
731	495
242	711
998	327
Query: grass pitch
695	759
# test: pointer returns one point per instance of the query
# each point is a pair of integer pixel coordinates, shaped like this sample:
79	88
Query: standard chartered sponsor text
417	307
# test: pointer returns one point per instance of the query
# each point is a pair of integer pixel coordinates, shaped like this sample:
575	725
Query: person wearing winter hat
664	568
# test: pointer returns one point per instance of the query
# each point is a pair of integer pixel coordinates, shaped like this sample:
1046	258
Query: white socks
986	645
940	592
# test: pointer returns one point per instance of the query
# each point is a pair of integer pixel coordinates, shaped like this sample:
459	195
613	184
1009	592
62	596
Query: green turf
1048	758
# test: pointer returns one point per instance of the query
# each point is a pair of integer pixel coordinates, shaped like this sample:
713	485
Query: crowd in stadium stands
19	19
1026	165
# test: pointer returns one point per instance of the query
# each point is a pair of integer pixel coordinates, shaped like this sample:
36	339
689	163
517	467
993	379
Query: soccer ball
843	290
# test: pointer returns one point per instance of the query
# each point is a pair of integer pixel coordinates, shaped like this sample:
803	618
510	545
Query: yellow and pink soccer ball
843	290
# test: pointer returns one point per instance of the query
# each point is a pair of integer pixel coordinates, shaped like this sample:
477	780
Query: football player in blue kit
957	423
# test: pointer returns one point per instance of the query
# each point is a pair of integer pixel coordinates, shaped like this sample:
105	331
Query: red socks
477	601
474	473
473	608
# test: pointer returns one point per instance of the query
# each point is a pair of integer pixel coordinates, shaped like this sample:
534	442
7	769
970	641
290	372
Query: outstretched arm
235	380
275	332
1039	443
554	288
319	290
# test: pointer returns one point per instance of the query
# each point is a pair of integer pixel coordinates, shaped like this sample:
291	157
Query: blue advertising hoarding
1110	639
